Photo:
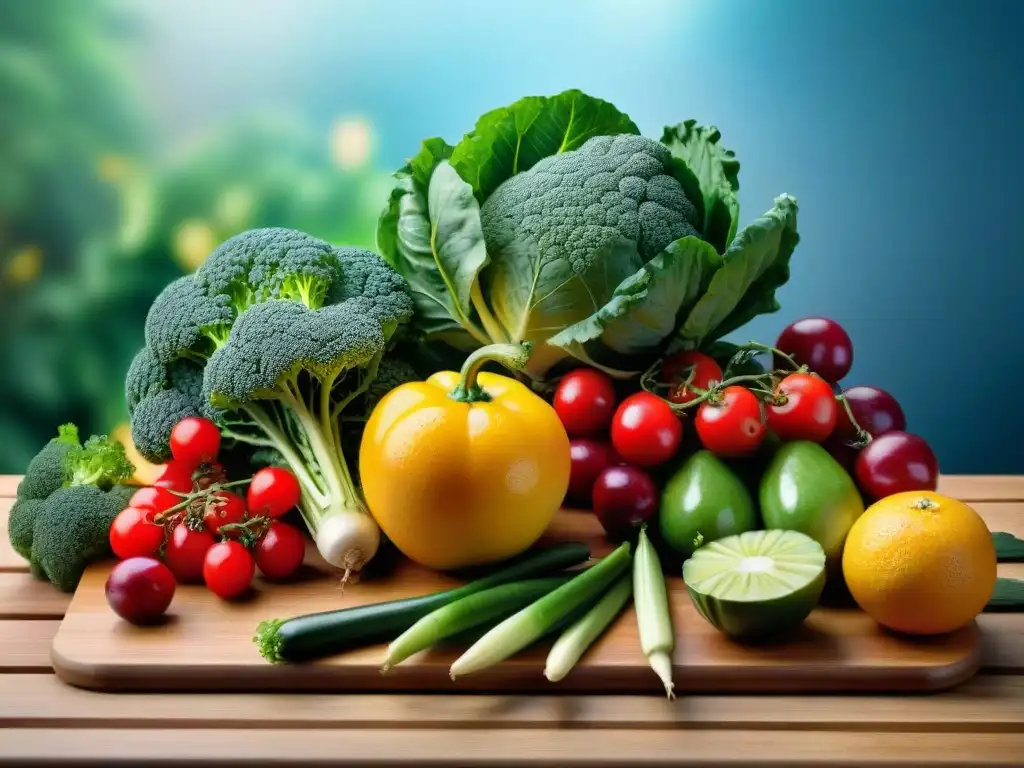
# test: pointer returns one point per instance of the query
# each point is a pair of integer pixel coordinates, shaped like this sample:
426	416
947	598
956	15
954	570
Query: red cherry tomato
185	552
875	410
645	430
677	369
589	459
176	477
272	492
194	441
140	589
280	551
733	426
155	498
896	462
223	508
624	497
134	534
585	402
228	569
805	408
819	343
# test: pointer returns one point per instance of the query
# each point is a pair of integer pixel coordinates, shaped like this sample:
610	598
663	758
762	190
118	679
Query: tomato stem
862	437
765	348
715	390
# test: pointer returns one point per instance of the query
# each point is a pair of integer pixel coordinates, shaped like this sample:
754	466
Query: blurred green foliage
93	223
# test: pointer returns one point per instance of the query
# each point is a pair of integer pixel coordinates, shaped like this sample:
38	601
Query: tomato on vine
584	402
223	508
280	551
802	408
272	492
155	498
228	568
730	423
194	441
185	552
133	533
688	374
645	430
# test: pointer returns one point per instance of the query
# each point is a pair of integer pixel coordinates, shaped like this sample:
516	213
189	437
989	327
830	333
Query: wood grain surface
46	722
206	644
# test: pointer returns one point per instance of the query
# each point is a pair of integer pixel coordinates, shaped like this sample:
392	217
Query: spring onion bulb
543	616
575	641
464	614
654	620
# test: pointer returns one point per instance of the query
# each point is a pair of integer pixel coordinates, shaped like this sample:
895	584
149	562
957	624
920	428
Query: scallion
536	620
654	620
575	641
464	614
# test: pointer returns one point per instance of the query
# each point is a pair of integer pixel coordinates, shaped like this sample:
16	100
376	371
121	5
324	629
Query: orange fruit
920	563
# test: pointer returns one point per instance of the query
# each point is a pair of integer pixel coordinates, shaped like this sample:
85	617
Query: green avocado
804	489
704	497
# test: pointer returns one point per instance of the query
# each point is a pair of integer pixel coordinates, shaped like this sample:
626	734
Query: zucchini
316	635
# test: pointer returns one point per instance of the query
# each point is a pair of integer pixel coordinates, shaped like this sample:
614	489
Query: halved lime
756	584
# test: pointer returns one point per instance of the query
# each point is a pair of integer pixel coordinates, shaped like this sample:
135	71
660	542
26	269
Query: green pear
804	489
707	499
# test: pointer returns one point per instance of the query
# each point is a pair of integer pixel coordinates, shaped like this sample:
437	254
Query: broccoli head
72	531
288	331
573	205
71	493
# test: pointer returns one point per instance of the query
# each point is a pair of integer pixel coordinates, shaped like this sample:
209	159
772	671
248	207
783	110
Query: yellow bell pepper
465	468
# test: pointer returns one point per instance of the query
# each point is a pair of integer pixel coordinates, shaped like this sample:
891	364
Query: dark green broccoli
159	396
71	493
289	332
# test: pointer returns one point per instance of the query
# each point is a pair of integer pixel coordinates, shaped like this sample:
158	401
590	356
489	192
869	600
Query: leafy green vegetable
554	222
710	174
511	140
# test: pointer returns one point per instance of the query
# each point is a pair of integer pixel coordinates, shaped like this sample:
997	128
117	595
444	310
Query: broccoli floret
21	523
296	334
185	321
71	494
72	531
571	205
158	397
45	473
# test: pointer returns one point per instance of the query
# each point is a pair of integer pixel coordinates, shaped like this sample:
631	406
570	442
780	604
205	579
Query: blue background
897	125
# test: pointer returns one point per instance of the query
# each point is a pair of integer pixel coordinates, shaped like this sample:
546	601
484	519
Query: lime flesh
757	584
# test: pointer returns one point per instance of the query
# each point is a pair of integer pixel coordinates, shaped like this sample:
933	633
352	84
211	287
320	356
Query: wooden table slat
987	703
25	645
9	559
493	747
9	485
983	487
23	596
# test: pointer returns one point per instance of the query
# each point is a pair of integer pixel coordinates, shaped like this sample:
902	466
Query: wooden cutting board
206	645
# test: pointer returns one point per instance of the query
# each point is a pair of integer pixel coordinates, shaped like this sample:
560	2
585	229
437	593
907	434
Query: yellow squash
464	469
